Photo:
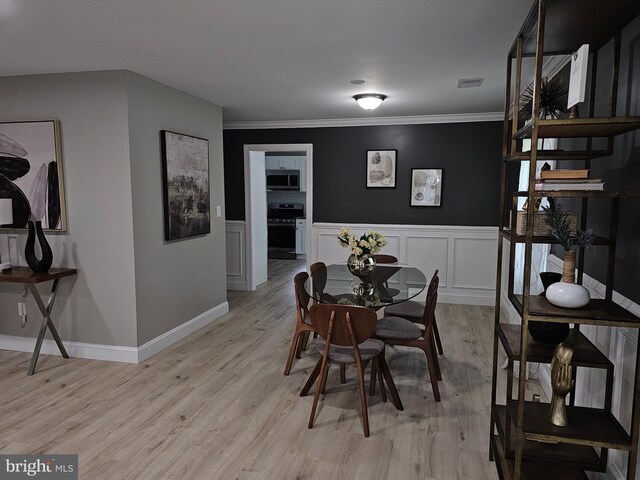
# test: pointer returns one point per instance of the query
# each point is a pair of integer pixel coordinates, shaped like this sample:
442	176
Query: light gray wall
99	305
174	281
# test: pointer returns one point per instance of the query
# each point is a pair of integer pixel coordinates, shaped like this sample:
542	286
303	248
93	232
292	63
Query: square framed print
31	174
381	168
185	162
426	187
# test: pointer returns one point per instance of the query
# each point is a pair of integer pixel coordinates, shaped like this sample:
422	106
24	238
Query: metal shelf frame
570	23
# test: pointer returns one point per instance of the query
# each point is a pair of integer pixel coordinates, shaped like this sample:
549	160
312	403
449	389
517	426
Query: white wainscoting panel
236	264
472	259
429	247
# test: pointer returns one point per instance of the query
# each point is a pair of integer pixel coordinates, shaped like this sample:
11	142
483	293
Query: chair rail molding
464	255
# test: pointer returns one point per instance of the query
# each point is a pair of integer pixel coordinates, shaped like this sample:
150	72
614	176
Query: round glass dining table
386	285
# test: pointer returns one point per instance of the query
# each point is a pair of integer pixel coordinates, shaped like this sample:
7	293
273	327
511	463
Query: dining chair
400	331
383	258
303	322
414	311
345	337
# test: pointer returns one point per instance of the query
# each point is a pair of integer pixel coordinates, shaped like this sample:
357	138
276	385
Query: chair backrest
362	320
432	299
319	276
302	297
382	258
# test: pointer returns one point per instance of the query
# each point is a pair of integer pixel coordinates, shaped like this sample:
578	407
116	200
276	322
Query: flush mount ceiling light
369	101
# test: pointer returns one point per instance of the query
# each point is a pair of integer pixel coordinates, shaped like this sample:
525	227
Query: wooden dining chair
383	258
414	311
303	320
400	331
345	337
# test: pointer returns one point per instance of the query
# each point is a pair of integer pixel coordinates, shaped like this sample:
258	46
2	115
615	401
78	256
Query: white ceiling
278	59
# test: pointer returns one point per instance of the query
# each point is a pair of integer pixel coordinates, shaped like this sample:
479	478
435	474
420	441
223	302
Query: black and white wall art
186	185
31	173
381	168
426	187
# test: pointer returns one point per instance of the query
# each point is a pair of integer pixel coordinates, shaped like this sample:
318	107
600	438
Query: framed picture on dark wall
31	174
381	168
426	187
185	162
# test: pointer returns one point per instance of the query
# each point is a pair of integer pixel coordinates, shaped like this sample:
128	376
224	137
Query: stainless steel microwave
283	179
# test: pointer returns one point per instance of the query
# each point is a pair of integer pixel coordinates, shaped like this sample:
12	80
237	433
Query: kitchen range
281	229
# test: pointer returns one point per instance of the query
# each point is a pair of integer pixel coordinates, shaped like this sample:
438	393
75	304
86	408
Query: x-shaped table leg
46	322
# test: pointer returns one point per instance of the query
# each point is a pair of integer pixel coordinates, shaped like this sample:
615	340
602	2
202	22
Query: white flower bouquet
369	243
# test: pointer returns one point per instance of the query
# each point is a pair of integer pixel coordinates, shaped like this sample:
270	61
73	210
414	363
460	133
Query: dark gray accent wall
469	154
620	171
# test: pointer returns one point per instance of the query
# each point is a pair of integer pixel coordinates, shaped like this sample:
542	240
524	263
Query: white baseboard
94	351
463	299
236	285
116	353
178	333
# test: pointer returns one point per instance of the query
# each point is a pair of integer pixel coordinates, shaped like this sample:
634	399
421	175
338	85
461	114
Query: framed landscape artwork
185	161
426	187
31	173
381	168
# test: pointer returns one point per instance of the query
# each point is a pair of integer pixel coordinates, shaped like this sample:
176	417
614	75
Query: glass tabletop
386	285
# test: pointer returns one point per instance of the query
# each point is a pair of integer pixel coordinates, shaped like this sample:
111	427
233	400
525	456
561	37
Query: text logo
47	467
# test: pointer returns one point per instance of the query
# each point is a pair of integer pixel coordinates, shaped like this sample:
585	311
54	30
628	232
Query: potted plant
361	262
566	293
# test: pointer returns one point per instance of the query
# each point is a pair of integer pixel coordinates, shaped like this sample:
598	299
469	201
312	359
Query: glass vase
361	265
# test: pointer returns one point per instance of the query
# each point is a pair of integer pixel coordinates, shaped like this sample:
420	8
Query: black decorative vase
45	262
549	332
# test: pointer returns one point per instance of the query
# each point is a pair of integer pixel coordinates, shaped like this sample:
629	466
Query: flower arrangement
369	243
557	219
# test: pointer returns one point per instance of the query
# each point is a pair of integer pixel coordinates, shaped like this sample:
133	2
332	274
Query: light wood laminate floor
217	406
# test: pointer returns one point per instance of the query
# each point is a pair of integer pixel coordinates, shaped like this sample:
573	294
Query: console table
29	279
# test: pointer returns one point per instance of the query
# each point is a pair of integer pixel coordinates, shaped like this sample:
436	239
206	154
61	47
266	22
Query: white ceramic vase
568	295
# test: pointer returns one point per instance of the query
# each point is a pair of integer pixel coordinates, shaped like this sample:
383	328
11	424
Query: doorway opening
289	187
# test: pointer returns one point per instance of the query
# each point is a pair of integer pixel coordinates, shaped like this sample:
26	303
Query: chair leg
436	335
301	343
436	362
305	340
312	378
292	350
343	373
323	385
430	354
372	378
363	398
382	389
323	378
393	391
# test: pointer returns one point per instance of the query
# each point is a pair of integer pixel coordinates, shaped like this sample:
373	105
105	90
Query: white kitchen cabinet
301	236
282	162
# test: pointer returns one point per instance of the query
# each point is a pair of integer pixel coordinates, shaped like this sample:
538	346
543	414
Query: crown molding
360	122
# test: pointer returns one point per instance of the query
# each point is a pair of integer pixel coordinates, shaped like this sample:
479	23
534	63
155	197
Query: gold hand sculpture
561	384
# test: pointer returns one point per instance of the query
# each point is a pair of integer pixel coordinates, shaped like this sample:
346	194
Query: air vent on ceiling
470	82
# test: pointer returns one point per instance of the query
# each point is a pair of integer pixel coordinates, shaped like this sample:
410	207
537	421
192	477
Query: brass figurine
561	384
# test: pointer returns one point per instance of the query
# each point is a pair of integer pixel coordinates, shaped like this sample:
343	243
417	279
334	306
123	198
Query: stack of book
568	180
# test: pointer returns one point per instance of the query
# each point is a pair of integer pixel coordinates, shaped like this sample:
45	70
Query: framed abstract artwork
426	187
31	173
185	161
381	168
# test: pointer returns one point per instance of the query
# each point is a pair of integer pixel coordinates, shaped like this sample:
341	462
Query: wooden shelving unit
524	443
